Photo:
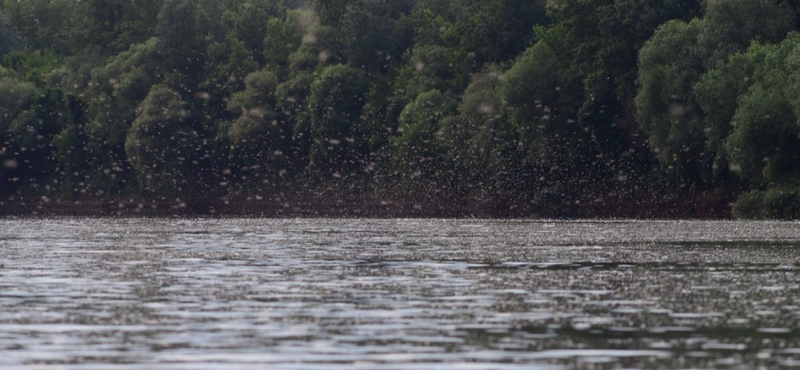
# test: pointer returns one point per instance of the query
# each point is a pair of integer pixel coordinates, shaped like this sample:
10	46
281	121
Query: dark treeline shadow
569	108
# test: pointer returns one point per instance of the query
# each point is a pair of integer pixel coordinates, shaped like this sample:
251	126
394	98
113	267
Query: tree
260	139
599	41
670	66
15	97
376	33
750	116
34	66
418	150
339	140
321	46
540	107
27	152
113	93
162	146
764	146
44	24
9	36
717	95
483	142
732	25
114	25
180	44
331	11
248	20
495	31
601	36
284	36
542	103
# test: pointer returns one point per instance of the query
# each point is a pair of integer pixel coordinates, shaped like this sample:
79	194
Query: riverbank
637	206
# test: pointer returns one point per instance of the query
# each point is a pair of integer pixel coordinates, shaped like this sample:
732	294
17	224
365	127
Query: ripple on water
397	294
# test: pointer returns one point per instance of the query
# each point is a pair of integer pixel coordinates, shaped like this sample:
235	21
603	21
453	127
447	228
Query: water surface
398	294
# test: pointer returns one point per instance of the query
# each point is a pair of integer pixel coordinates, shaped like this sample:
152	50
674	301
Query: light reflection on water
397	294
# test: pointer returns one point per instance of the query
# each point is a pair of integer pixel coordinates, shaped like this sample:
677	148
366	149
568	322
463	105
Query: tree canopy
560	108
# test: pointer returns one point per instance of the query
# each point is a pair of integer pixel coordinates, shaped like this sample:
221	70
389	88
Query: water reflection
397	294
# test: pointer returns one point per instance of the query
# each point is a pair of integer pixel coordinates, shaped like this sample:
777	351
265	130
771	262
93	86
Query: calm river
398	294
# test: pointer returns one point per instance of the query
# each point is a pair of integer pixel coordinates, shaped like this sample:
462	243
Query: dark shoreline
310	206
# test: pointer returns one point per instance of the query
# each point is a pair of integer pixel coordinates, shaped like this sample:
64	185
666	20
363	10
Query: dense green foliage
553	107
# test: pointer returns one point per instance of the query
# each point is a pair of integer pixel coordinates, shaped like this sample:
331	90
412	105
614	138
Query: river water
398	294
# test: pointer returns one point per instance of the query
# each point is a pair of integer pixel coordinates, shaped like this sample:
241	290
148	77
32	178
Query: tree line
559	107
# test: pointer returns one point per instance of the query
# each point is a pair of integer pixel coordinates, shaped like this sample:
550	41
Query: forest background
560	108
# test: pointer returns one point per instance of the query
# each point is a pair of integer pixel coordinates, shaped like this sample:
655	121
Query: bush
782	203
776	203
749	205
